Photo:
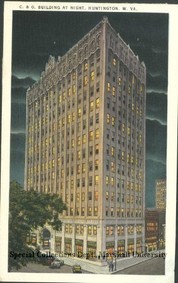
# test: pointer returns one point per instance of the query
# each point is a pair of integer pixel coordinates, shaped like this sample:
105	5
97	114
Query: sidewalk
102	267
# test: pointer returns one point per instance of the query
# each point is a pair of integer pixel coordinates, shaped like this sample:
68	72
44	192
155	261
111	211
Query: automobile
46	260
77	268
56	263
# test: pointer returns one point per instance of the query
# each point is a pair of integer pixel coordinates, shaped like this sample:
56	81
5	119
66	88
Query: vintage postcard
89	120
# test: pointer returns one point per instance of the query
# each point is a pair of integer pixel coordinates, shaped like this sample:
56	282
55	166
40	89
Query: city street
39	268
154	266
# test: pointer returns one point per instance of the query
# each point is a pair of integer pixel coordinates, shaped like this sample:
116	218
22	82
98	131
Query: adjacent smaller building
160	187
154	229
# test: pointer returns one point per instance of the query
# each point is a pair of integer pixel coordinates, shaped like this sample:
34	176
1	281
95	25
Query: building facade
160	187
86	142
154	229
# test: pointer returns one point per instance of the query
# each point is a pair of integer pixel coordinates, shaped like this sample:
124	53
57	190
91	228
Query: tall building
86	142
161	194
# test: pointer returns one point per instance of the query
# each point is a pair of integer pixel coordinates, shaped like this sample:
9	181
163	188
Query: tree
29	210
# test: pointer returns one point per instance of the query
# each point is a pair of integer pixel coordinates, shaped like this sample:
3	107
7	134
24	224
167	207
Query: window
90	135
96	179
108	118
96	195
97	103
92	75
114	61
107	195
107	180
97	134
91	105
108	87
113	91
95	211
79	112
113	121
85	80
86	66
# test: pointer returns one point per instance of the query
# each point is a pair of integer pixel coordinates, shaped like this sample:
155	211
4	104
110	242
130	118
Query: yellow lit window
72	142
119	81
128	158
83	168
97	134
140	138
74	75
79	112
53	175
123	155
112	181
128	131
91	135
73	116
113	121
85	80
68	118
97	103
133	106
84	138
107	180
91	105
78	154
69	91
96	180
78	141
92	75
112	151
109	87
114	61
123	127
112	166
86	66
73	89
78	169
107	195
108	118
113	91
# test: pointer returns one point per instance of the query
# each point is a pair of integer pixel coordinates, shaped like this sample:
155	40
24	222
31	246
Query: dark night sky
36	35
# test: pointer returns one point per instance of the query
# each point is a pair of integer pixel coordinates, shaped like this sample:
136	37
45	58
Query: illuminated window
94	226
97	103
79	112
69	91
112	181
107	195
95	211
113	91
73	89
90	135
86	66
83	168
89	229
112	166
108	118
97	134
109	87
72	142
92	75
112	151
78	140
96	179
128	131
114	61
107	180
78	154
123	127
119	81
85	80
91	105
84	138
113	121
